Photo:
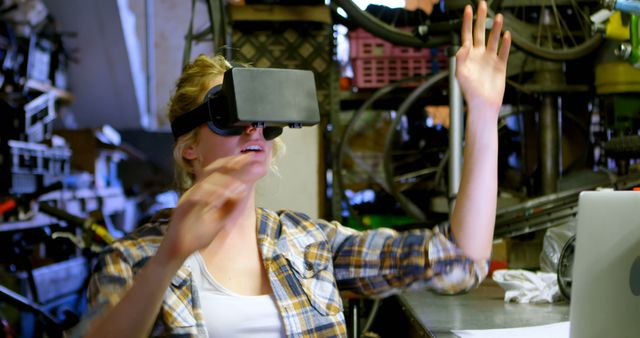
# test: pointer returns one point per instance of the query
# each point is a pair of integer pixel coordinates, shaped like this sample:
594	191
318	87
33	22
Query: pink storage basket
376	62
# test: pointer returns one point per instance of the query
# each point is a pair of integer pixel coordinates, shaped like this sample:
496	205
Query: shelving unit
38	221
78	202
62	94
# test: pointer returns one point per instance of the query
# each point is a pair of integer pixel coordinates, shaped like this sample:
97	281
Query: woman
220	266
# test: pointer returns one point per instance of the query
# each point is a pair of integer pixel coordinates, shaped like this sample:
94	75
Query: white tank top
228	314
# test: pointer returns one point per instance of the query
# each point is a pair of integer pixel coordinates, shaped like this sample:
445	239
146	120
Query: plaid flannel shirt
310	264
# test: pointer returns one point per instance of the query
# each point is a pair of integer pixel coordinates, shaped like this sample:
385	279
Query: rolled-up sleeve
452	271
383	261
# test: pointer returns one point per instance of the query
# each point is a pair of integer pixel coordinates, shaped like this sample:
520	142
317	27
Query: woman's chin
258	169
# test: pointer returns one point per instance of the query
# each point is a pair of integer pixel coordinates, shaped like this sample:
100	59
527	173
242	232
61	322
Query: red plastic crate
377	63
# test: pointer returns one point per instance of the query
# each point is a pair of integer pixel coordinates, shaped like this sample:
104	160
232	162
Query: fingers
461	55
467	23
214	191
227	164
478	31
473	35
219	163
225	196
506	45
494	36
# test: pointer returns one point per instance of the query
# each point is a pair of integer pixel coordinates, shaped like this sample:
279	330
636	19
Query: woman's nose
252	128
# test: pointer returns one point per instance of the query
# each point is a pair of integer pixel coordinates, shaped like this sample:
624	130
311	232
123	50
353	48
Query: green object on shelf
634	28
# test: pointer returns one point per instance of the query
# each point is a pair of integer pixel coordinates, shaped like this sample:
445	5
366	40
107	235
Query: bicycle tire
389	33
546	53
515	26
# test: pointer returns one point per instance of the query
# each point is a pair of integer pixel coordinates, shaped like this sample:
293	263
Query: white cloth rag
522	286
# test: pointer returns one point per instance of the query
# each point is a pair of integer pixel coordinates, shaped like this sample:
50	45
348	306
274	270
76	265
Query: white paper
556	330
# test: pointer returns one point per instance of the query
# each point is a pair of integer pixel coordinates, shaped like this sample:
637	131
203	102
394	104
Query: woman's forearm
474	214
136	312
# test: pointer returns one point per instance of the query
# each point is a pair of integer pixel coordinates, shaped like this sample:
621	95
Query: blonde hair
192	86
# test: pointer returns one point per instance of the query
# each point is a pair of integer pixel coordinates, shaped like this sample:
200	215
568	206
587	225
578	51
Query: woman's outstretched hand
481	68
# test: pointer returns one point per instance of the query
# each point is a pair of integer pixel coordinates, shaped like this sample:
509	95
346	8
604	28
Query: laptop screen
605	294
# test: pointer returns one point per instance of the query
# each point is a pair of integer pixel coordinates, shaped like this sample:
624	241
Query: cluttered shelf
77	202
38	221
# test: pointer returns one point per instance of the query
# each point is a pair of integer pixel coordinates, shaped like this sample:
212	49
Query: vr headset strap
189	121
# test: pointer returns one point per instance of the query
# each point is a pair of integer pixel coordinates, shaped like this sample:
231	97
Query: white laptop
605	294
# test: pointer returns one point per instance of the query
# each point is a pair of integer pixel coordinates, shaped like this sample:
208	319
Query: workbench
434	315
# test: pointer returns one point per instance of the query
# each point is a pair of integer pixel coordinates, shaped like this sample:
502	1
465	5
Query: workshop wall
101	77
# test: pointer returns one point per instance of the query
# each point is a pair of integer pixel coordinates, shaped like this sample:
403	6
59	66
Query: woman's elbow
460	278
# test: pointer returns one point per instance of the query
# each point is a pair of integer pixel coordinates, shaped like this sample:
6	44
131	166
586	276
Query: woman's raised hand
481	68
208	206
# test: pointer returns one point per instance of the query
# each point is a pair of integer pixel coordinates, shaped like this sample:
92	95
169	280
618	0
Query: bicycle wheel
439	33
364	163
554	30
414	166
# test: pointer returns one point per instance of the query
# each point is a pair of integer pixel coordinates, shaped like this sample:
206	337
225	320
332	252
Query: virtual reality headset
266	98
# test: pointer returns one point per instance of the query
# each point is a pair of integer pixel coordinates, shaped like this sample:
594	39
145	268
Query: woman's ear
190	152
